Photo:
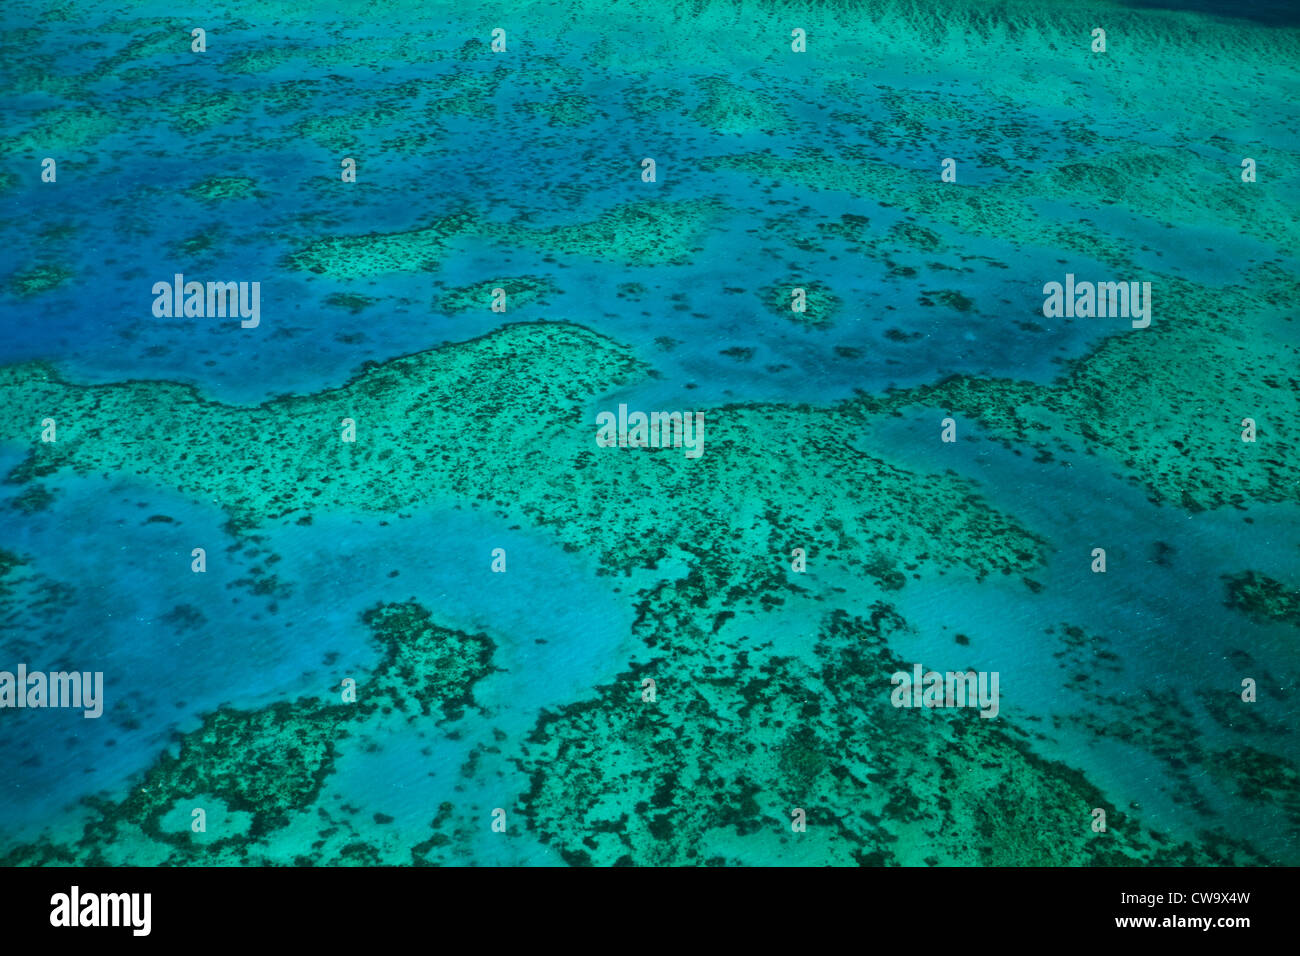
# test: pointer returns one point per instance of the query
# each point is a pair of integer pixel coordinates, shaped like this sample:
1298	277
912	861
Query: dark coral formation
1263	598
267	766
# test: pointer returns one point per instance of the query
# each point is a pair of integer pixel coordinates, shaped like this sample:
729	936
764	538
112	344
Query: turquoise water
774	169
